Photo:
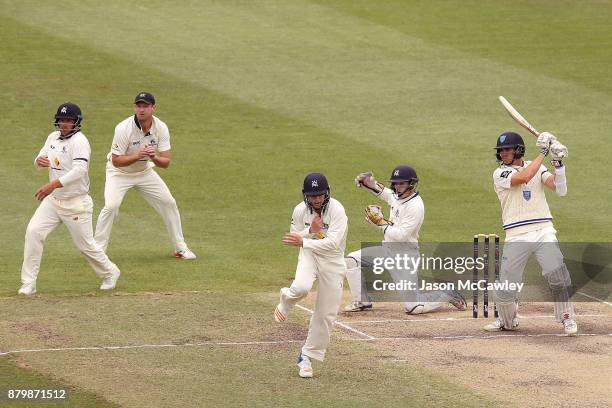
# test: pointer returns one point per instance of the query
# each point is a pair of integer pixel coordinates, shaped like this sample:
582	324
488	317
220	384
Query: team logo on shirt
527	195
397	213
64	149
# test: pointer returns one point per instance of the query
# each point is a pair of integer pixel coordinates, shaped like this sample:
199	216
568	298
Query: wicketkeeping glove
368	181
375	216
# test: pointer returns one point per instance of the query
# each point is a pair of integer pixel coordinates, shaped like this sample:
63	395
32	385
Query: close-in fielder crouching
400	236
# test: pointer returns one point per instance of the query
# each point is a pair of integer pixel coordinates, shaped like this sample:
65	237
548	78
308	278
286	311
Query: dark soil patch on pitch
44	333
543	381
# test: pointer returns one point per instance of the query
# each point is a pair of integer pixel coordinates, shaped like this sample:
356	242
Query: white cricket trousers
76	215
517	250
153	190
330	274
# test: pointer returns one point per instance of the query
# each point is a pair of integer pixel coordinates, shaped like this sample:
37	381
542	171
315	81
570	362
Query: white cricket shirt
335	227
524	206
129	139
406	214
69	162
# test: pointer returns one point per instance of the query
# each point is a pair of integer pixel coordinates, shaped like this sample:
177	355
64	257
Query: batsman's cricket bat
518	117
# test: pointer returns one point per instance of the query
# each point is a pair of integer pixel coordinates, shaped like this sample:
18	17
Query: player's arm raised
367	181
544	142
557	182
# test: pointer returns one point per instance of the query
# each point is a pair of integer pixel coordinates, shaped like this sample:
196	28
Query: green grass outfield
256	95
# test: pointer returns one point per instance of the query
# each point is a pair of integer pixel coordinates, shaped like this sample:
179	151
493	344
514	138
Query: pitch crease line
152	346
483	337
277	342
459	319
594	298
344	326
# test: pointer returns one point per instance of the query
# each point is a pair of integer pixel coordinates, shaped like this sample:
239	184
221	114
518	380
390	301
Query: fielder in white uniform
528	224
65	199
407	213
318	227
141	142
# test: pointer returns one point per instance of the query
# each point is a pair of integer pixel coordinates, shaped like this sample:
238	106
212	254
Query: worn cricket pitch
150	344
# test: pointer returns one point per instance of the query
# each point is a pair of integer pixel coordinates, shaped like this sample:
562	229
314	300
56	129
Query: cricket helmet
72	111
403	173
316	184
512	140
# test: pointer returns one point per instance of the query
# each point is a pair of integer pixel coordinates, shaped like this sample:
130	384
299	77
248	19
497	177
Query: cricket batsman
65	200
401	229
527	220
318	227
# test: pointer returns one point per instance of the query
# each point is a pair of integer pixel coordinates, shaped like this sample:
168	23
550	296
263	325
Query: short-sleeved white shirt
129	139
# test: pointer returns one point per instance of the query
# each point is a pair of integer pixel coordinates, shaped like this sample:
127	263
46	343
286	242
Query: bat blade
518	117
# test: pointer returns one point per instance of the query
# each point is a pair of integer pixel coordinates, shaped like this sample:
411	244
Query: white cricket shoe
185	254
303	362
110	280
569	326
27	289
357	306
498	325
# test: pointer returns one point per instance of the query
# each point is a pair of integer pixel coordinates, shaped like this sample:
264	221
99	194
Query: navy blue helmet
72	111
404	173
316	184
513	140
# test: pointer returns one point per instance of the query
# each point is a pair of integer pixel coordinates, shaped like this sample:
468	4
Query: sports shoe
27	289
303	362
280	314
110	280
185	254
569	326
498	325
357	306
457	300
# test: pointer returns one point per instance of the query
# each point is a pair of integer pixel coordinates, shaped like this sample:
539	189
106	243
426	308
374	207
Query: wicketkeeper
401	229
